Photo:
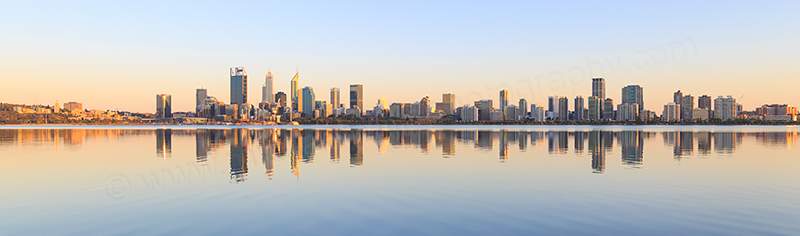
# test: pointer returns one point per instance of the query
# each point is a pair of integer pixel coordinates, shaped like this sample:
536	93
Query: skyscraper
266	90
425	106
687	105
485	108
309	102
595	108
633	94
238	85
200	97
704	102
725	108
677	97
599	91
551	103
450	100
163	106
335	98
523	108
563	108
296	91
608	109
281	98
579	109
357	97
503	98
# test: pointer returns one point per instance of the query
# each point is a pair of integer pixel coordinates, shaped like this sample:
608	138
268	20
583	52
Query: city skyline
114	71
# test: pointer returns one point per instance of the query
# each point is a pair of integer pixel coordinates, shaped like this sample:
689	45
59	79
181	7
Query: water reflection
303	145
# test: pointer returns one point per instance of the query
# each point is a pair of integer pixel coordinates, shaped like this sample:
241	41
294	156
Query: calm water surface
400	180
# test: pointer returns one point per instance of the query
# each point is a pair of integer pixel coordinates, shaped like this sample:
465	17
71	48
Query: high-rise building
671	112
296	92
201	95
608	109
450	99
280	98
595	108
563	108
633	94
687	105
267	90
163	106
510	112
551	103
238	85
579	108
335	98
309	102
537	112
599	91
503	98
425	106
677	97
704	102
357	97
627	112
485	108
468	113
523	108
725	108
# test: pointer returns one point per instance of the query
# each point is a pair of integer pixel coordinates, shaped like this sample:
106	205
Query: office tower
599	91
671	112
280	99
450	99
267	90
163	106
485	108
677	97
357	97
551	103
238	85
510	112
335	99
704	102
608	109
56	108
503	98
633	94
295	86
523	108
563	108
627	111
537	112
201	95
445	107
309	102
425	106
469	113
595	108
579	115
687	105
396	110
725	108
382	102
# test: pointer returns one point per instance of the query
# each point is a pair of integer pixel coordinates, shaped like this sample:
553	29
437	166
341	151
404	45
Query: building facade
357	97
163	106
238	85
633	94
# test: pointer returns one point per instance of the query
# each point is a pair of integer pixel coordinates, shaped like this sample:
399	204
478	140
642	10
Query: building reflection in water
164	143
356	148
239	143
302	144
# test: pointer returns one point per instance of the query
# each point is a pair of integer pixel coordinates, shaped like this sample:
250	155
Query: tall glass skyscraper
357	97
267	90
633	94
296	92
309	100
238	85
335	98
599	91
163	106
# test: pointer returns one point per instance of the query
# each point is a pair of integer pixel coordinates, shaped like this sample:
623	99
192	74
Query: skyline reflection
304	145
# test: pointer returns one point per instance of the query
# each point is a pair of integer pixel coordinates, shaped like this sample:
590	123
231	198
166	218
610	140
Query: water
400	180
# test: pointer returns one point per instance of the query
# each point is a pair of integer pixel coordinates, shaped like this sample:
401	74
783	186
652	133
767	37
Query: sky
119	55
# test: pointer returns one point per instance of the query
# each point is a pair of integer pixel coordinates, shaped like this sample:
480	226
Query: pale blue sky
118	55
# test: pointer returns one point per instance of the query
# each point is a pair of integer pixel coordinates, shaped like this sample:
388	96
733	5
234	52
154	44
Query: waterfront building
163	106
579	109
687	106
238	85
672	112
725	108
633	94
357	96
595	108
267	90
335	97
309	102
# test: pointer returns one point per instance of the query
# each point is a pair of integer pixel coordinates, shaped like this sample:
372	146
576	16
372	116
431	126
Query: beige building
701	113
